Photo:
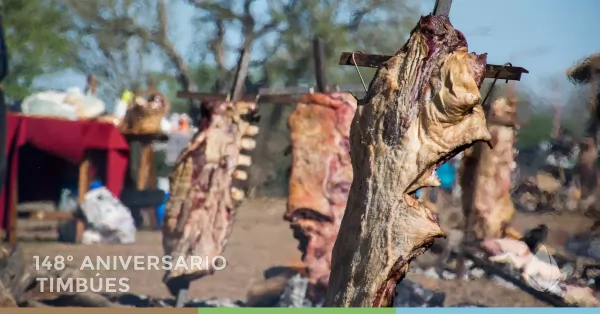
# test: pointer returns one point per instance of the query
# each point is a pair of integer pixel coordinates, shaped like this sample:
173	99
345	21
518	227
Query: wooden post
150	84
145	165
240	75
147	178
92	85
556	128
320	70
14	217
82	189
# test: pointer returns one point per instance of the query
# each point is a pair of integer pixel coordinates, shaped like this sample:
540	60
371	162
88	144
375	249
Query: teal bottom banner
310	310
406	310
494	310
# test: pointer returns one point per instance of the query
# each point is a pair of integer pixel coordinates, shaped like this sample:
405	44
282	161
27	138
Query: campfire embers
206	186
320	178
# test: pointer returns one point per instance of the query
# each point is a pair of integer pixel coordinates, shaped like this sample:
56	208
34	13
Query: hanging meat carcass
423	107
205	188
587	71
320	178
486	173
552	186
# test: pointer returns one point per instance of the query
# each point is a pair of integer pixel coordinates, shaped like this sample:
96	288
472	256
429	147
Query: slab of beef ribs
320	178
486	173
205	188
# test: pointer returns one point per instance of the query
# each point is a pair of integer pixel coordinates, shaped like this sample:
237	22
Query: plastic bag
68	201
108	218
87	106
49	104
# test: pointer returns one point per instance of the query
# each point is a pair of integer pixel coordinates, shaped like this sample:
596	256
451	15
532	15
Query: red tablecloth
67	140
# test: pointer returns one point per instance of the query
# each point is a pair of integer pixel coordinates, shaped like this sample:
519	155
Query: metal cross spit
286	95
441	8
505	72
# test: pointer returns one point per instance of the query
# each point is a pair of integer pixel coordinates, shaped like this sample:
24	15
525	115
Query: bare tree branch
220	11
162	40
217	44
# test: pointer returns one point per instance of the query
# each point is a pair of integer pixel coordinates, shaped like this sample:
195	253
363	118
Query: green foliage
537	129
203	76
38	43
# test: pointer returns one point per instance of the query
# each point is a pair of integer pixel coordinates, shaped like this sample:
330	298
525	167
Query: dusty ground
261	239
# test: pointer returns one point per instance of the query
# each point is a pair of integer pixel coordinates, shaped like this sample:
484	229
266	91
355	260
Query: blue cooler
96	184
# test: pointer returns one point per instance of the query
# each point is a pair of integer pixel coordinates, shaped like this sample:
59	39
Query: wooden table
83	187
74	142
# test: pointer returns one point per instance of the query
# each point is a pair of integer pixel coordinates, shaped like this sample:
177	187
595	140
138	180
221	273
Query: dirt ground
260	240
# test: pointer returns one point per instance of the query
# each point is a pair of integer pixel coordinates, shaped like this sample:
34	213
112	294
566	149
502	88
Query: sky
543	36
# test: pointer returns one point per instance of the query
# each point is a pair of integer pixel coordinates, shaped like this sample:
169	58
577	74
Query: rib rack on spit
206	187
320	179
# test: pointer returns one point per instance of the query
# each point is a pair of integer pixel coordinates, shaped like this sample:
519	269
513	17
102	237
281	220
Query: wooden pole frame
286	95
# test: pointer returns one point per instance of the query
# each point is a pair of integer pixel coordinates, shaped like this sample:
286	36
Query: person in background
184	125
447	174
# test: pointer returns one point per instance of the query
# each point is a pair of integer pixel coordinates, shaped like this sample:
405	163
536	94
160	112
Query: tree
280	33
116	41
38	40
342	29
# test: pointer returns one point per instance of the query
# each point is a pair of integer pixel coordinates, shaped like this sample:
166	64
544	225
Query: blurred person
184	125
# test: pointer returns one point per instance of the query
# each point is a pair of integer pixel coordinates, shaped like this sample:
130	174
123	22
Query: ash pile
298	293
507	263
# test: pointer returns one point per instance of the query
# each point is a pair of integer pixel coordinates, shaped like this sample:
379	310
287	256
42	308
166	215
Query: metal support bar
287	91
270	95
375	61
349	88
208	97
240	75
